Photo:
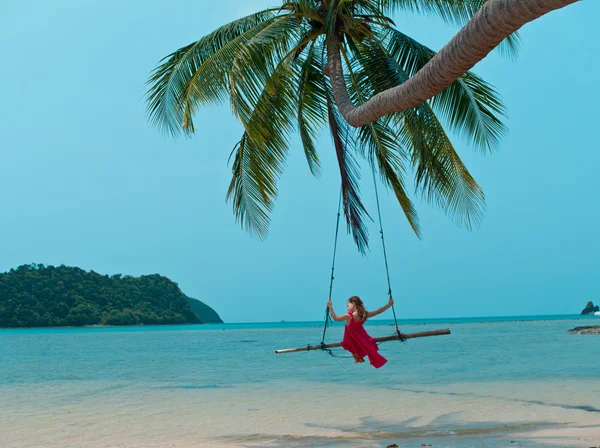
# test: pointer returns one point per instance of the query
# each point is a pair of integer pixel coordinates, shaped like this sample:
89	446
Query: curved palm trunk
493	23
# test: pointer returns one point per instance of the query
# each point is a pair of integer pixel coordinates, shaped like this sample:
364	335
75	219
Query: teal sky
87	182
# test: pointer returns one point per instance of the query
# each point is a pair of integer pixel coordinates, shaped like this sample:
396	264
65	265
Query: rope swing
385	260
397	334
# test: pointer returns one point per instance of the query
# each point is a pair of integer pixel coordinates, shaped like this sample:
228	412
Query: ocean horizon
312	323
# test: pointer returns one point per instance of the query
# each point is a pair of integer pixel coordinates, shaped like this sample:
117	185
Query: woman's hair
360	307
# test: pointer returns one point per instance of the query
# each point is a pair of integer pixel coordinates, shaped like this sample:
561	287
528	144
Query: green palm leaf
261	153
470	106
440	175
312	114
252	68
354	209
439	172
380	140
455	12
250	205
451	11
166	82
212	81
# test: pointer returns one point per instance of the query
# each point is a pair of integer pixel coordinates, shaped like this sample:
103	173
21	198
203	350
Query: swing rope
387	271
337	228
322	345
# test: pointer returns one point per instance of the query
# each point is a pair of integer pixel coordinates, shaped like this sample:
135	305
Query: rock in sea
590	308
592	329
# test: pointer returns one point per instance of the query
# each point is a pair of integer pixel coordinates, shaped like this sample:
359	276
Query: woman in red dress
356	339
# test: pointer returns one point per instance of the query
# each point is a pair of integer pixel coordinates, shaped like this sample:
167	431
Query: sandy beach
306	415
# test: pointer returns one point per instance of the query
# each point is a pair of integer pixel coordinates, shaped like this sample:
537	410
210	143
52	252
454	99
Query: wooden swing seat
395	337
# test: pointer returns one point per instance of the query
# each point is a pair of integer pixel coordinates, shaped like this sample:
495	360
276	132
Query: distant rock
590	308
592	329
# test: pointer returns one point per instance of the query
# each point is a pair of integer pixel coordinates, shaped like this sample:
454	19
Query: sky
87	181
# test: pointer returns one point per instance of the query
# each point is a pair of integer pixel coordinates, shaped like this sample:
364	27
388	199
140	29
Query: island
590	309
47	296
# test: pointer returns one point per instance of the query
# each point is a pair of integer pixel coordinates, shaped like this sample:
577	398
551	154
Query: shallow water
224	386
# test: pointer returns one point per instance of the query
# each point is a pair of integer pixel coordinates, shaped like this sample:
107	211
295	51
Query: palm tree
274	67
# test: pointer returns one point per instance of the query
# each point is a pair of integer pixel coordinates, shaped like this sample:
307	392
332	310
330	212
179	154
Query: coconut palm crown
272	68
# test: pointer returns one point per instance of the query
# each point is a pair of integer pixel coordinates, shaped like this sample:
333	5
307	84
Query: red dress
357	341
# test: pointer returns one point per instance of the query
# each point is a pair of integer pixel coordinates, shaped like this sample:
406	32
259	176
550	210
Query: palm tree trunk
493	23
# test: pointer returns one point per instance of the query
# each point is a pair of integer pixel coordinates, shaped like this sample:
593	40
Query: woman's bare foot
357	359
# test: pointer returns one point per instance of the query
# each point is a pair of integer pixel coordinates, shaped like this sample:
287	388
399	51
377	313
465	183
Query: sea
493	382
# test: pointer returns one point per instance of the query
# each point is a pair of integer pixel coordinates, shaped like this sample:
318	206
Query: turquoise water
195	356
107	369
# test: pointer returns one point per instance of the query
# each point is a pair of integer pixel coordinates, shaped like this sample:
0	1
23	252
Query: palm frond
471	107
455	12
380	140
262	151
354	209
255	62
304	8
440	175
312	113
250	205
166	82
217	78
369	7
509	47
451	11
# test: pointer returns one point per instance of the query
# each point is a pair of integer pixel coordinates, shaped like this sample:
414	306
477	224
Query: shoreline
111	326
543	436
412	321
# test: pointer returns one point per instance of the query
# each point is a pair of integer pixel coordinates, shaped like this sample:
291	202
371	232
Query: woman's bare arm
335	316
382	309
